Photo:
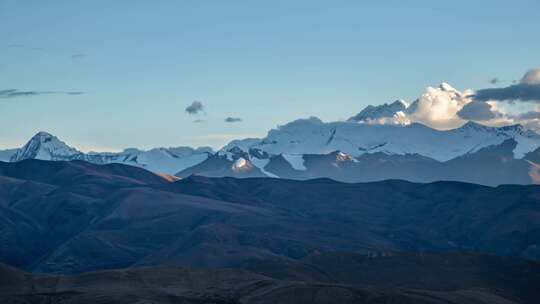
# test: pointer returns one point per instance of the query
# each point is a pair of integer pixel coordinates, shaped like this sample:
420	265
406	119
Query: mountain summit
45	146
383	111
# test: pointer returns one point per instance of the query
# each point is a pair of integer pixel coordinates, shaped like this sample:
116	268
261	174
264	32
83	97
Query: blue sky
141	63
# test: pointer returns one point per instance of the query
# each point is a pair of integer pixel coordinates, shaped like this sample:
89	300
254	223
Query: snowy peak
382	111
517	129
474	126
46	147
510	130
310	136
448	88
399	107
161	160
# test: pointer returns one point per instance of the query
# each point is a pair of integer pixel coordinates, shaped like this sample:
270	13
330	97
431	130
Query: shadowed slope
226	286
101	217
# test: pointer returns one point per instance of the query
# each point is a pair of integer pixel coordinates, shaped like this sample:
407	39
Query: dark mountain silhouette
386	277
75	216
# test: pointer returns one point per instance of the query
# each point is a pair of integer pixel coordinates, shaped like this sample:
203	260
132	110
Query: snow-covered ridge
45	146
429	127
382	111
312	136
389	128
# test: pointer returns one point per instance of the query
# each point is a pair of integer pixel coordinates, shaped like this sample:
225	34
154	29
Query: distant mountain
76	216
378	143
381	111
5	155
355	152
396	109
312	136
45	146
345	151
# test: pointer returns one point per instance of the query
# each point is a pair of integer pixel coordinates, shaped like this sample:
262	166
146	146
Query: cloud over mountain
438	107
444	107
478	110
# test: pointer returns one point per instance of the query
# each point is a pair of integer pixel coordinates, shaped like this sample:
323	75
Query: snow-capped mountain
312	136
160	160
380	142
444	95
309	148
45	146
359	152
386	110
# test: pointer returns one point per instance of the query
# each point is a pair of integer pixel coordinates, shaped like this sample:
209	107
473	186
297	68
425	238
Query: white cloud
531	77
438	107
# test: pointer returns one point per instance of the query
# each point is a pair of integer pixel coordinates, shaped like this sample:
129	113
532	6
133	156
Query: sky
107	75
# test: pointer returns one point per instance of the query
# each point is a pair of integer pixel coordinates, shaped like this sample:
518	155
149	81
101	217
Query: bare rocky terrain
86	233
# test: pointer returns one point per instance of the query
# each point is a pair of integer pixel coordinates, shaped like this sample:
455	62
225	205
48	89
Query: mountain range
46	146
360	149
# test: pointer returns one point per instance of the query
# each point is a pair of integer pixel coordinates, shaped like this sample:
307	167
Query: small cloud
233	119
494	80
195	107
15	46
78	56
199	121
477	110
13	93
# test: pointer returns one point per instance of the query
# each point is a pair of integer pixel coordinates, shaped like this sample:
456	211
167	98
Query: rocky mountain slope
492	165
77	216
